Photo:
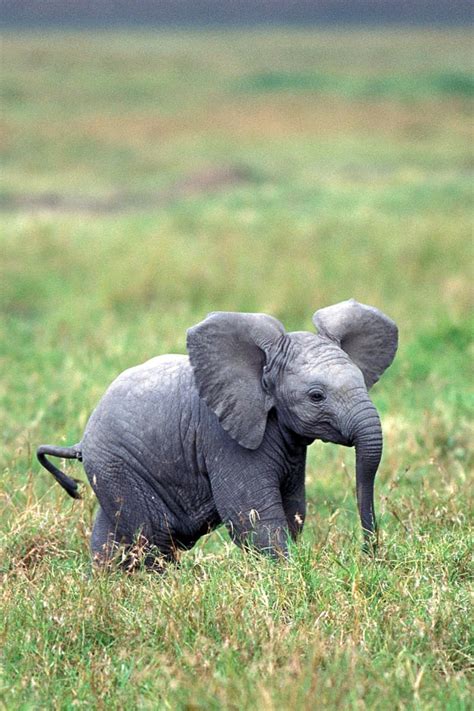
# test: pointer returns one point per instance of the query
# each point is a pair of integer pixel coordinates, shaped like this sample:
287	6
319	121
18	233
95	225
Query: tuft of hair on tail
68	484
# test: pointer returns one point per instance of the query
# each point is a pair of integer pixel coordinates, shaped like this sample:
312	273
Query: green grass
354	152
400	87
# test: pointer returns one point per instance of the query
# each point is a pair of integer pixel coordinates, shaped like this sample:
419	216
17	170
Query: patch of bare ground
200	182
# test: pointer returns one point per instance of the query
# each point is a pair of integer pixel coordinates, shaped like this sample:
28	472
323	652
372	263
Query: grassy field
150	178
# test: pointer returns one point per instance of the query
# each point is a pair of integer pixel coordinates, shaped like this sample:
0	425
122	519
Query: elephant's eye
317	396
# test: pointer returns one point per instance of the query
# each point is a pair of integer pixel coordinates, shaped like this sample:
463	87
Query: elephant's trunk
366	435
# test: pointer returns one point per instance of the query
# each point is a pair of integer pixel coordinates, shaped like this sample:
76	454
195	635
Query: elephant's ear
227	353
368	336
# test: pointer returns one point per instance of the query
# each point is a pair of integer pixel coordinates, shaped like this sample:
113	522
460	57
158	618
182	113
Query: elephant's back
142	404
158	375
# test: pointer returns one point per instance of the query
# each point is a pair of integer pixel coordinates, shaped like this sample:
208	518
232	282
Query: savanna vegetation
149	178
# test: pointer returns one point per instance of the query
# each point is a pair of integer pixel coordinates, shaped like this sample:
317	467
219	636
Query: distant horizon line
216	24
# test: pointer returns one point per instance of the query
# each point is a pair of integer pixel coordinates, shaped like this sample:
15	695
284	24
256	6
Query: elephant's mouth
329	433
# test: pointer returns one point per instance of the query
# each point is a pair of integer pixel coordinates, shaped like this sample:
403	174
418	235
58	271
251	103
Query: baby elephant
181	444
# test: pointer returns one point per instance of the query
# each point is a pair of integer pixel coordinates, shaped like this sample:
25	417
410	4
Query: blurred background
30	13
275	157
153	172
161	160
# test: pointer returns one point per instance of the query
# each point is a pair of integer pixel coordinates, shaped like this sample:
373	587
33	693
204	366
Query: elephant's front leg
294	500
250	529
248	499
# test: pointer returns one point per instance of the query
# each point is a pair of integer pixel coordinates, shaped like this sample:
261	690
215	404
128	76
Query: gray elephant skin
181	444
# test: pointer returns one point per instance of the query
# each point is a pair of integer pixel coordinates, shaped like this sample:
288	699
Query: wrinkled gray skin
181	444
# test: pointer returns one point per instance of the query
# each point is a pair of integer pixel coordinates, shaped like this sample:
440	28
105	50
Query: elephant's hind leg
108	546
104	544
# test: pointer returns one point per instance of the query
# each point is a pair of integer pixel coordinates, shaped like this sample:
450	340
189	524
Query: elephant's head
246	364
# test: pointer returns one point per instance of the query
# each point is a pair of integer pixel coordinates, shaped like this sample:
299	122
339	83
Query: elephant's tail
70	485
